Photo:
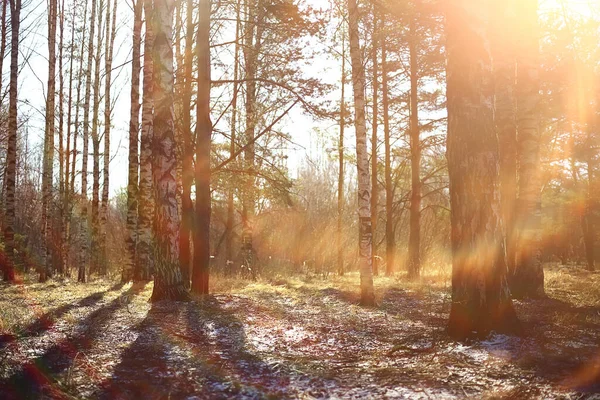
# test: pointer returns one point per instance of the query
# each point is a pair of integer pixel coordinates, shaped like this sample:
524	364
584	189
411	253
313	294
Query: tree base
467	323
172	293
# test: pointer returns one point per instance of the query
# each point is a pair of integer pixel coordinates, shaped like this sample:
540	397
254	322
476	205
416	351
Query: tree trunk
390	242
144	267
67	186
374	187
110	38
77	103
527	279
168	284
187	178
11	154
60	229
414	240
46	268
201	268
481	300
84	155
364	190
232	145
96	254
341	174
134	126
588	219
503	43
252	43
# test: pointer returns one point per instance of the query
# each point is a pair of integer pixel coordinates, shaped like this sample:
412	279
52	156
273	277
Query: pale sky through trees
303	129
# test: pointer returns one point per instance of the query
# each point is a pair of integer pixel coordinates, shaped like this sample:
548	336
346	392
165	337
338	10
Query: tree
232	141
414	241
503	43
364	191
341	174
527	278
374	139
390	242
481	299
96	236
201	268
108	56
84	155
168	283
134	127
187	178
144	264
46	268
11	154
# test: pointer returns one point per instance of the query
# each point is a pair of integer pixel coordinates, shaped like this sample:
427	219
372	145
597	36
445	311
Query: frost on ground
290	339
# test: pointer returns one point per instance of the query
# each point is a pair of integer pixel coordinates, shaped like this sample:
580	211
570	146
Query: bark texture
11	154
46	268
84	155
527	278
134	127
168	284
414	239
144	267
390	242
364	189
200	271
481	300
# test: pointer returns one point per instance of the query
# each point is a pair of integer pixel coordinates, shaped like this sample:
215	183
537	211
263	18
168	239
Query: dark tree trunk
11	154
481	300
201	269
414	241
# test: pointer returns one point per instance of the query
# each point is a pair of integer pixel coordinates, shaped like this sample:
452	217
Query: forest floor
292	338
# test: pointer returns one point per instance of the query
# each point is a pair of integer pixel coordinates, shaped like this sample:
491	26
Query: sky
33	83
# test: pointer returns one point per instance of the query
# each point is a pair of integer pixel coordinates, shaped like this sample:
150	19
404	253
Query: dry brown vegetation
292	337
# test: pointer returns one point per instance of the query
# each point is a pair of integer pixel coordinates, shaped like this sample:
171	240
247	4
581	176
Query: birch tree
168	283
146	206
364	190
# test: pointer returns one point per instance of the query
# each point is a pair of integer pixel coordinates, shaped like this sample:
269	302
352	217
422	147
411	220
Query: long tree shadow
192	348
39	376
563	343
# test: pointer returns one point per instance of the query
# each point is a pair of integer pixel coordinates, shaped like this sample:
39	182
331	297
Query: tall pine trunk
527	278
481	300
60	232
414	240
364	191
108	56
232	144
47	174
503	42
341	174
374	184
187	178
11	154
134	127
67	186
96	253
168	284
84	155
201	268
390	242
